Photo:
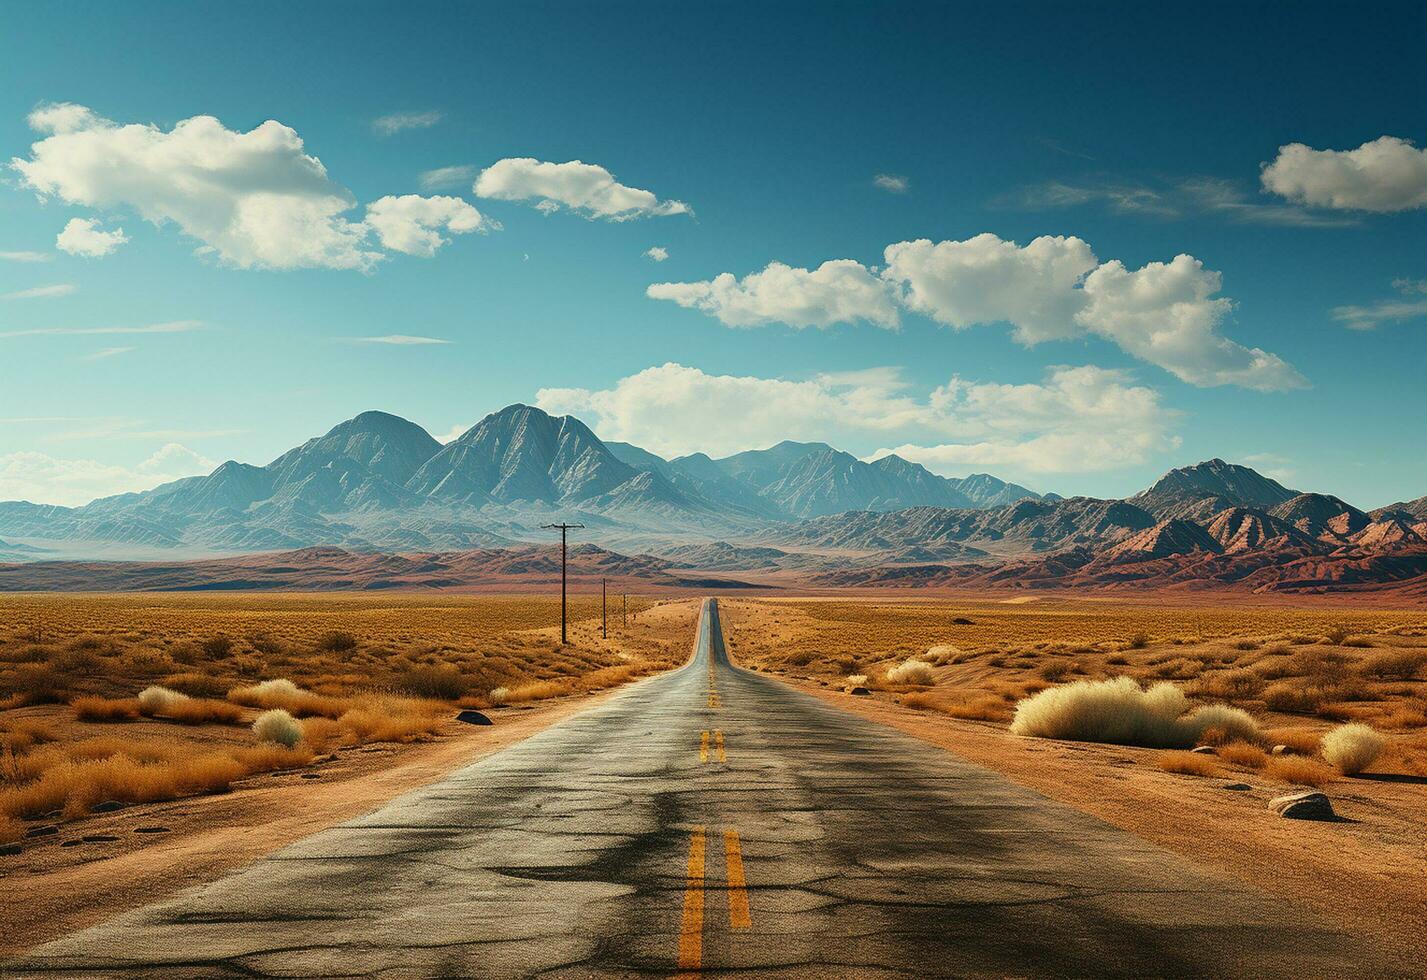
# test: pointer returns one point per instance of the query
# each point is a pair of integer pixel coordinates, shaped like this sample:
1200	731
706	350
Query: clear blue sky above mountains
1003	194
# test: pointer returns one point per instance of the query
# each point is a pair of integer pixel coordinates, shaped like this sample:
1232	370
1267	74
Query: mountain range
380	484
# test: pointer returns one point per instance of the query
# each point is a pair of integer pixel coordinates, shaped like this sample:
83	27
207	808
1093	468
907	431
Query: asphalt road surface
715	820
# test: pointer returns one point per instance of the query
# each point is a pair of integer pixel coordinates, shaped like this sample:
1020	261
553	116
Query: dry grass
94	708
1119	711
1352	748
1187	763
1300	741
1299	770
277	726
911	672
1244	754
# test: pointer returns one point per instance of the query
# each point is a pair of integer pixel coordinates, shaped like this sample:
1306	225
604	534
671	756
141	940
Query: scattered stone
1278	750
1311	805
48	830
75	842
99	838
311	775
108	806
472	717
1203	750
961	621
150	830
859	691
9	850
1240	787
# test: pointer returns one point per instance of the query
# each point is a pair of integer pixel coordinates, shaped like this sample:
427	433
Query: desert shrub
1336	636
1352	747
1237	684
1292	699
105	709
218	647
1120	712
1187	763
499	695
1397	665
919	701
1246	645
37	684
337	641
1139	641
446	683
277	726
986	707
389	720
23	734
1054	671
911	671
1299	770
196	685
147	663
159	700
283	693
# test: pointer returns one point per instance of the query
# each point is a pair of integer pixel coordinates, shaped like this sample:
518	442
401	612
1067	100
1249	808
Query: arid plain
136	761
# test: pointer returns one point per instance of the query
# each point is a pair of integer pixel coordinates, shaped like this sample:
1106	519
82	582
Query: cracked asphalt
602	846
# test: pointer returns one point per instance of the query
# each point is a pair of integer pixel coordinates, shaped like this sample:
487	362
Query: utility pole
604	612
626	609
564	529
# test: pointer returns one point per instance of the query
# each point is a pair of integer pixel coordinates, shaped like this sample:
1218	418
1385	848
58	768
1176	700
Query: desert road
715	820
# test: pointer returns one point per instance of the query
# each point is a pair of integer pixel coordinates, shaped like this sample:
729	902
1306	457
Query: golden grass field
1299	670
133	698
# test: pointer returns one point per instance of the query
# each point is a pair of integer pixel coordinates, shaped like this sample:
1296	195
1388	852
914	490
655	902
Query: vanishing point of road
715	821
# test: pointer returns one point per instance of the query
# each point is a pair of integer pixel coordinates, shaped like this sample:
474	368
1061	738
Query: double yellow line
691	929
717	745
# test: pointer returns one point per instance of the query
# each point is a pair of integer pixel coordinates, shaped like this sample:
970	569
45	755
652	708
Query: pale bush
856	680
1119	711
1352	747
278	689
157	700
911	672
499	695
277	726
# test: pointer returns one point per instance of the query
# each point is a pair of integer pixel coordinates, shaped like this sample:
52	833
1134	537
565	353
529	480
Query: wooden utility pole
564	529
625	614
604	612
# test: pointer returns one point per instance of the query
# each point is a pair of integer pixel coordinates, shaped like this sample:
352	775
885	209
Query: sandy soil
1366	871
121	862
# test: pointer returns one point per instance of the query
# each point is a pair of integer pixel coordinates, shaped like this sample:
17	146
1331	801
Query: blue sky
1125	136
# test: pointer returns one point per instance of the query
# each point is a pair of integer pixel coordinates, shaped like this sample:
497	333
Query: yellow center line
704	748
691	931
718	739
738	917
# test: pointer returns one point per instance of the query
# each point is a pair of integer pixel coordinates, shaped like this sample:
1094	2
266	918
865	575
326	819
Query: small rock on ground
473	717
1311	805
1203	749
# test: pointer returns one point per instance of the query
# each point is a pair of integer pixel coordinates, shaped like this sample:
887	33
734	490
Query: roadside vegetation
126	699
1302	695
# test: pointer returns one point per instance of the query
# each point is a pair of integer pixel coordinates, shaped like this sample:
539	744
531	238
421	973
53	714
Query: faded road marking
738	917
691	931
718	739
704	748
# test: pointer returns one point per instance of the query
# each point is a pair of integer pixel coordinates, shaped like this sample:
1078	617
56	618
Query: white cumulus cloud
583	187
1079	419
657	253
1385	174
838	291
413	224
256	200
83	236
45	479
1055	288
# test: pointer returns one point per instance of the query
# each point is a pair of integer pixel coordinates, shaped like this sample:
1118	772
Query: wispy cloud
42	292
25	256
104	352
444	178
396	339
175	326
1374	315
398	122
1064	150
1170	199
892	183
